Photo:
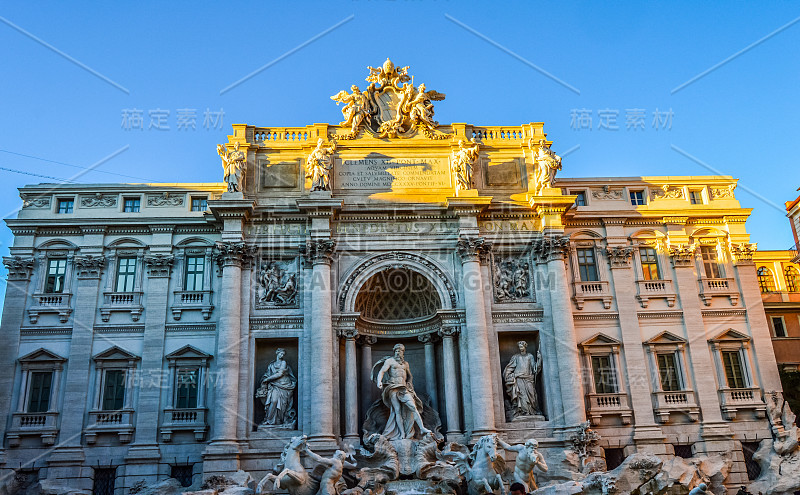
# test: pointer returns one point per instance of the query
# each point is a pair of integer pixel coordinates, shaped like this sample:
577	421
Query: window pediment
730	335
187	353
115	353
600	342
41	355
666	338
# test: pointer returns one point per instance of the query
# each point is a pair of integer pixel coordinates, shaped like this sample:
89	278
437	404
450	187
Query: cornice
724	313
596	316
653	315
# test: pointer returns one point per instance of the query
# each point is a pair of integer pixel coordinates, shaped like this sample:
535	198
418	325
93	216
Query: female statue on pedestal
276	391
520	376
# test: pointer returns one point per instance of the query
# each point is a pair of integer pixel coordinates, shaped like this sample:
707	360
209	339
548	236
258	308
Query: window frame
187	357
634	201
60	200
668	343
714	266
114	359
580	266
700	197
766	280
732	340
602	345
581	193
194	273
794	285
40	360
647	275
677	378
129	276
192	199
772	319
135	208
56	288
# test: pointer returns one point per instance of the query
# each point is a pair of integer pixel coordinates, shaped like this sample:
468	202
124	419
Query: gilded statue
548	164
234	164
462	161
319	165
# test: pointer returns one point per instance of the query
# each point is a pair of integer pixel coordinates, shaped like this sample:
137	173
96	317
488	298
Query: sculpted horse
482	466
292	475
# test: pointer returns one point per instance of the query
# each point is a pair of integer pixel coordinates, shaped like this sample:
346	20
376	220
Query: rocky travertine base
646	474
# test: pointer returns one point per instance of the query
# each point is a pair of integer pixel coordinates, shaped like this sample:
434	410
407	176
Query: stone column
350	386
647	435
430	369
450	382
321	431
367	341
553	250
701	366
144	451
68	457
477	334
231	255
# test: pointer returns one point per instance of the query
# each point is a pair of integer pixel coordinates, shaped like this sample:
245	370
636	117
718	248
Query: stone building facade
140	320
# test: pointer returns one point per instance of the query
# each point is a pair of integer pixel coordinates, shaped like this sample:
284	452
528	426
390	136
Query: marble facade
333	243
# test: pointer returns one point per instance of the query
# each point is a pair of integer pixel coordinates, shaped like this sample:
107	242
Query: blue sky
623	57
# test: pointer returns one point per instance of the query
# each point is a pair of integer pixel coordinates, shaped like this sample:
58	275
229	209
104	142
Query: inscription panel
390	174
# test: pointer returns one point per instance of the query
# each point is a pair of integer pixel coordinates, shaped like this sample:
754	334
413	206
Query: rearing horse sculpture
482	466
292	475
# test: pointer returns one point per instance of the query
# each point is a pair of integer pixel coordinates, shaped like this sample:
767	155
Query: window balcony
192	300
51	303
193	420
710	287
609	405
682	401
655	289
734	400
44	425
115	422
585	291
123	302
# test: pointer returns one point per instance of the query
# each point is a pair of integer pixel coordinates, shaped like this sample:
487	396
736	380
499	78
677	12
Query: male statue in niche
395	381
520	376
276	393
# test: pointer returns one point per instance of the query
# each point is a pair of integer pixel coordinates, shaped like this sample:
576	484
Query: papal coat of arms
390	106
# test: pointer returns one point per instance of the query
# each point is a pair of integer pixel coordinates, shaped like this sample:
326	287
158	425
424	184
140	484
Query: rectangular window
126	274
586	265
637	198
668	372
683	450
710	263
199	204
696	197
39	400
56	270
605	379
131	205
105	479
195	267
65	205
114	390
649	264
186	388
778	326
580	198
734	373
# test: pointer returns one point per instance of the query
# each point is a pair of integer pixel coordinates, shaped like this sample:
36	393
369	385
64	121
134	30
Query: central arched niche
397	295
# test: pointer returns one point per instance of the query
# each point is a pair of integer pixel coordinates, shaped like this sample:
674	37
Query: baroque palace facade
191	329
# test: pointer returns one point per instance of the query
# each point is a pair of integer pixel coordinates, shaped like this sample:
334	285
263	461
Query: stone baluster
450	381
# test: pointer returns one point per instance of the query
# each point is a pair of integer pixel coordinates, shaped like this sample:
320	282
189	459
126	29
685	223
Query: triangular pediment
600	339
41	355
666	338
730	335
188	352
115	353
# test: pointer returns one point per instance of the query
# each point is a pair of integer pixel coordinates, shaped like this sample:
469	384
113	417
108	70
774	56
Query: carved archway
366	269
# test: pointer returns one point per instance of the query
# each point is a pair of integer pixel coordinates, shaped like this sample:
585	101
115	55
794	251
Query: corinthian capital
89	266
551	247
159	265
682	255
318	251
620	256
19	267
471	248
743	252
233	253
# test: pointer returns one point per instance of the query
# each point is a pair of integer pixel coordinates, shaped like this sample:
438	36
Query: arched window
790	273
765	280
